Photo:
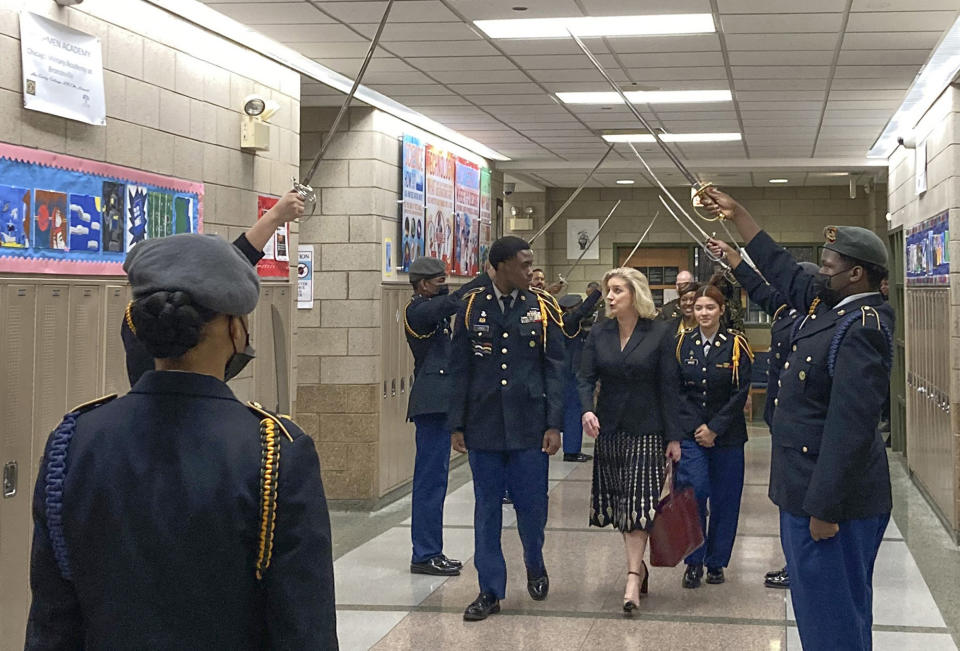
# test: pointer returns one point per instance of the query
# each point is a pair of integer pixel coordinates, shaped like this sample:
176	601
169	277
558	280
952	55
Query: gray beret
569	300
855	242
425	267
214	272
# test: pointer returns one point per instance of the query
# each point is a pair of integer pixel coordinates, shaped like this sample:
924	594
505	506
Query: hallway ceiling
813	82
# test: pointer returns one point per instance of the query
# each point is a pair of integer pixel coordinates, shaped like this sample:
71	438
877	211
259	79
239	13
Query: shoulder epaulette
406	324
258	409
680	338
472	292
55	473
868	315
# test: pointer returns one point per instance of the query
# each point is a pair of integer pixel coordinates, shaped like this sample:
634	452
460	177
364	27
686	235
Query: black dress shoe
578	457
437	566
715	575
692	575
538	587
484	605
778	580
773	573
452	562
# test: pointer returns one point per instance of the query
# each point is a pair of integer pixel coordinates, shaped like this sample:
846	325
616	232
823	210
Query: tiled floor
382	606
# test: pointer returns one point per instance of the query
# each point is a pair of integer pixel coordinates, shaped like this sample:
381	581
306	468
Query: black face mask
443	290
828	294
239	360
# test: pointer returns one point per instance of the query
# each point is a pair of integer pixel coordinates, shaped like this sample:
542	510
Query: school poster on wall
486	218
275	262
65	215
440	205
466	236
413	232
928	252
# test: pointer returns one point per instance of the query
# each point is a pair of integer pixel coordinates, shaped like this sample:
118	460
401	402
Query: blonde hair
639	287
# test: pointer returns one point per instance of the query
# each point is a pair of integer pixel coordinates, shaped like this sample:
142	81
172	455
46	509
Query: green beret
855	242
212	271
424	268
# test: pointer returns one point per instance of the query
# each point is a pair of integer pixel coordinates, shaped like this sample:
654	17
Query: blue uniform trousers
831	581
524	472
716	474
430	470
572	425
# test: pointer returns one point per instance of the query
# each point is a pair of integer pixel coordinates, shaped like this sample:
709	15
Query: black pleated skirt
628	473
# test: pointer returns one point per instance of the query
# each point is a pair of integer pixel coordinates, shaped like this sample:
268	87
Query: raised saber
303	188
643	237
592	240
566	204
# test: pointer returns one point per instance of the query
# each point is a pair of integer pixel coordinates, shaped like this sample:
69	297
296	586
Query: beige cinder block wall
933	348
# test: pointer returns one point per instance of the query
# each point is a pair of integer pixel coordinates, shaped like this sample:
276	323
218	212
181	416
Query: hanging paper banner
275	262
439	198
413	233
62	70
65	215
467	225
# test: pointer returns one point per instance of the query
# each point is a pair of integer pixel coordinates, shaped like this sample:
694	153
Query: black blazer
638	386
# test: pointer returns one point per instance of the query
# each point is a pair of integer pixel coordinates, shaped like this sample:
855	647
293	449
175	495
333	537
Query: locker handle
393	388
384	389
10	479
402	383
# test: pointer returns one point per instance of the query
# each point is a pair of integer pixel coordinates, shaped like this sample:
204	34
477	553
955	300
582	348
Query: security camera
509	188
908	142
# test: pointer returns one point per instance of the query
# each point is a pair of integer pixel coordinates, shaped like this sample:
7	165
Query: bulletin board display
64	215
928	252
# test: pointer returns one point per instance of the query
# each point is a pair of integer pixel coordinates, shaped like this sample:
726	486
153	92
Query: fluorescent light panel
647	97
942	67
625	181
598	26
779	180
674	137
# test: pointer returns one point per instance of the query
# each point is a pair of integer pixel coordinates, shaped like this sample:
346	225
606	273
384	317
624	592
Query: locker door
405	430
16	427
50	368
113	357
83	345
386	344
389	364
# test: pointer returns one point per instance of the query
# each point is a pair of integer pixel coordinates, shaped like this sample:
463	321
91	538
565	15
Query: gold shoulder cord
129	318
466	316
410	331
269	476
682	334
776	315
739	345
813	306
556	315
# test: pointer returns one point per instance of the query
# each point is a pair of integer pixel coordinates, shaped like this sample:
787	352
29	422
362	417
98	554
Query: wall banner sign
62	70
413	233
305	277
275	262
927	258
65	215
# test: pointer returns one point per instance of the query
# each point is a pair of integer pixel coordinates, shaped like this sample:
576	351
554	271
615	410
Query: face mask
828	294
239	360
443	290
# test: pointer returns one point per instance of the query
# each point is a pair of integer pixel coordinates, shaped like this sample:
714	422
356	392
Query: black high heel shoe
628	605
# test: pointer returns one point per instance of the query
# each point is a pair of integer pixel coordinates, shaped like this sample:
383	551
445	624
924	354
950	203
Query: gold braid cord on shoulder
410	331
776	315
680	338
739	345
269	476
813	306
553	312
129	318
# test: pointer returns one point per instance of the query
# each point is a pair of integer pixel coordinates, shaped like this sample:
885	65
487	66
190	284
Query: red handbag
676	529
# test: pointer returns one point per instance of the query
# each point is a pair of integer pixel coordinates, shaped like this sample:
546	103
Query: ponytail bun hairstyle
169	323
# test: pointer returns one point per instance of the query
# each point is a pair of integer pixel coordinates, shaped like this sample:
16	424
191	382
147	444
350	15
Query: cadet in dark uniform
714	383
829	473
784	320
177	517
427	324
576	312
671	309
506	411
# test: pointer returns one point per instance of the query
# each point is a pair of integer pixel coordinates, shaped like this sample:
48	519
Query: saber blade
592	240
644	236
566	204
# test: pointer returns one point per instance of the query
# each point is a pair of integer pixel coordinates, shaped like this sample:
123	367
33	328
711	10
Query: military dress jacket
427	321
828	459
781	328
714	387
507	370
638	385
163	520
573	328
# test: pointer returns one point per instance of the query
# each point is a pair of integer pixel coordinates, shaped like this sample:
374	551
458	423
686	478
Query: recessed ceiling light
625	181
597	26
673	137
647	97
779	180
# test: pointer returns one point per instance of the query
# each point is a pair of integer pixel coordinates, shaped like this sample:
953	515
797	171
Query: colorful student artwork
440	205
927	252
467	228
65	215
15	216
412	235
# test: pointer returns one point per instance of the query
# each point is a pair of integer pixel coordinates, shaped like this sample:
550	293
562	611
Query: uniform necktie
507	302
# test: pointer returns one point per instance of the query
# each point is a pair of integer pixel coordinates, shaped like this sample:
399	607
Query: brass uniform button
503	350
489	297
533	344
809	359
787	365
813	316
506	334
794	348
804	449
803	376
841	312
503	366
503	382
776	402
441	371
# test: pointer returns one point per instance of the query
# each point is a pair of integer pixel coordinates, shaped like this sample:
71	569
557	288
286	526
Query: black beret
569	300
425	267
211	270
506	248
855	242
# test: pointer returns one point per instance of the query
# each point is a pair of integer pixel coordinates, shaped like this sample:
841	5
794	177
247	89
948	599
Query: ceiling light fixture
598	26
937	73
647	97
625	181
674	137
779	180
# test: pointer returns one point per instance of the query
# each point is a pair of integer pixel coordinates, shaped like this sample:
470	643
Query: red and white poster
275	262
439	217
467	223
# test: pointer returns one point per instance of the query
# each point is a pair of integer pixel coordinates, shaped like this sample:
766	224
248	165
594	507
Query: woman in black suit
632	355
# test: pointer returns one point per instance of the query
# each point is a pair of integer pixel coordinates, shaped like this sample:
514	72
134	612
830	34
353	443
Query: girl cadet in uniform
631	354
686	320
714	382
176	517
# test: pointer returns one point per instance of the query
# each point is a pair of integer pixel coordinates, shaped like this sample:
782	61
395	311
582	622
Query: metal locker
17	352
406	439
83	344
387	385
264	366
112	354
51	330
